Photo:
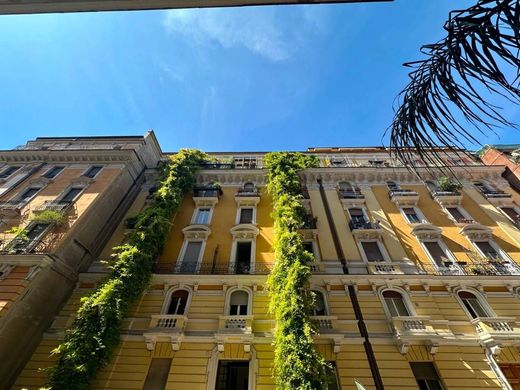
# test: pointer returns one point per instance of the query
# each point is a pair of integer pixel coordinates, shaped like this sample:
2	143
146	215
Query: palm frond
443	105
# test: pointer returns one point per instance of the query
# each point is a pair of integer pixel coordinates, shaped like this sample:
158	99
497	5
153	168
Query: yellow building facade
417	285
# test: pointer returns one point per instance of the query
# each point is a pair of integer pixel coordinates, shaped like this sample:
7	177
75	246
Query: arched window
473	304
320	309
178	301
238	302
395	303
248	187
345	186
392	185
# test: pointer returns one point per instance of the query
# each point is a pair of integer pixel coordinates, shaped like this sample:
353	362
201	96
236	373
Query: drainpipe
374	369
496	369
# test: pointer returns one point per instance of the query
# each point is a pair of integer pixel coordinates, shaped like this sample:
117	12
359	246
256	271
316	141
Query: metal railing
247	192
52	205
13	205
217	268
363	225
350	195
402	192
493	193
206	192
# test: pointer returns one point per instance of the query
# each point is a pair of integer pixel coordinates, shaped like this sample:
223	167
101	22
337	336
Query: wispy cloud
273	34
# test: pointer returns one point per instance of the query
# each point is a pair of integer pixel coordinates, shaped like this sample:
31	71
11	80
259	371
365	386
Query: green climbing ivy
95	333
297	364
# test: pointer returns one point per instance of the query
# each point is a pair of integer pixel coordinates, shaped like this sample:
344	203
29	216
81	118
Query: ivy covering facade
89	343
297	364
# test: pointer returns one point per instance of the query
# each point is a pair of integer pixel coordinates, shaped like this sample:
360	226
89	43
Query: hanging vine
95	333
297	364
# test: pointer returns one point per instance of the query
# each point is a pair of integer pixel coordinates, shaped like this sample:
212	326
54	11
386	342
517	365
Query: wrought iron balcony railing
206	192
351	195
52	205
244	192
402	192
364	225
219	268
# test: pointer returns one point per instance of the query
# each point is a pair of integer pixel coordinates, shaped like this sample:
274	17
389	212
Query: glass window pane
487	249
455	213
192	251
372	251
436	252
178	302
246	215
202	216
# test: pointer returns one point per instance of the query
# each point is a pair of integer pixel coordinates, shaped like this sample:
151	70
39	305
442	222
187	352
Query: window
178	301
28	194
482	187
33	234
395	303
357	216
93	171
436	252
232	375
246	215
331	372
456	214
53	172
8	172
309	247
243	257
512	213
71	195
372	251
345	186
319	309
202	217
238	303
411	215
473	304
392	185
248	187
157	374
191	256
426	376
488	250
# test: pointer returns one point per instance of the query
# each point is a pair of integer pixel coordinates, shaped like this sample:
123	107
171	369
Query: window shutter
372	251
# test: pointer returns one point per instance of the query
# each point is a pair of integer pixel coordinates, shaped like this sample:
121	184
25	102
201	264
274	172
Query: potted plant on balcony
49	216
447	184
19	233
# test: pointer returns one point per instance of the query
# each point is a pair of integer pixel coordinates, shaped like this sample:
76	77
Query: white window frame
417	211
168	298
461	210
227	303
406	299
363	209
196	212
184	247
483	302
51	168
90	166
239	210
324	294
512	206
232	259
66	191
443	246
315	250
503	254
382	249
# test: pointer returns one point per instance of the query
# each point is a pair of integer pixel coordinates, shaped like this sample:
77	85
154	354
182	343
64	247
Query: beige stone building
417	284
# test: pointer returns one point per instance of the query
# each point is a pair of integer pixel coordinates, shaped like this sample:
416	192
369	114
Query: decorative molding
196	232
232	177
244	231
427	231
475	231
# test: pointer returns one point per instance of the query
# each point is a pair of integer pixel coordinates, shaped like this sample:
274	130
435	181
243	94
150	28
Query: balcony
448	269
52	205
365	229
239	324
496	197
216	165
309	222
12	208
165	328
351	198
325	324
404	197
411	325
496	329
447	198
217	268
244	192
206	196
384	268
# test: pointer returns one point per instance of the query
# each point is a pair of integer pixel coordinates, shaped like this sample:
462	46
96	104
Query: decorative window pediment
427	231
475	231
196	232
244	231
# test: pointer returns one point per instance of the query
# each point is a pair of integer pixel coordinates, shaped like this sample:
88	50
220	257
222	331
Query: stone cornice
232	177
67	156
379	176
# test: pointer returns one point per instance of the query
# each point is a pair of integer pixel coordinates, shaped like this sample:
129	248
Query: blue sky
257	78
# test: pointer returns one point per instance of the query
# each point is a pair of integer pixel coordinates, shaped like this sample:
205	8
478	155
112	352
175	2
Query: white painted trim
239	210
167	300
444	248
381	246
182	252
213	368
227	302
503	254
480	298
419	213
406	299
232	258
196	212
324	294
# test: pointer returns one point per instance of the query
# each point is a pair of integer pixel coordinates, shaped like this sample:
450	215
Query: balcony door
243	257
232	375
